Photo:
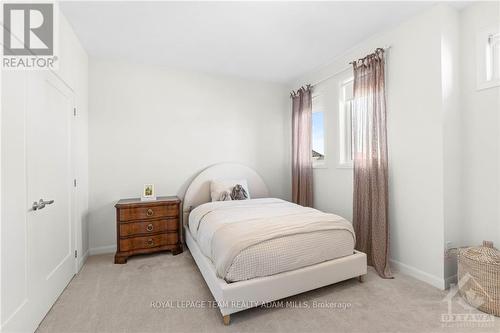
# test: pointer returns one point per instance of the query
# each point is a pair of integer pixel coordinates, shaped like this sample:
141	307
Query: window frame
317	98
345	121
485	60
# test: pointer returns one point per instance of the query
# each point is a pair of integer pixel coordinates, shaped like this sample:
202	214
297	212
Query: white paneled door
50	243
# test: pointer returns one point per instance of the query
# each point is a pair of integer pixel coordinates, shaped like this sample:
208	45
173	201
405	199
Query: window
488	57
493	57
345	123
318	132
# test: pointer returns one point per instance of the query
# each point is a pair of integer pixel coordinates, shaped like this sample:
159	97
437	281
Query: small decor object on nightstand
147	227
148	192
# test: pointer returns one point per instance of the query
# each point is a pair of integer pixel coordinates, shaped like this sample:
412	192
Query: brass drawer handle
149	227
150	212
150	242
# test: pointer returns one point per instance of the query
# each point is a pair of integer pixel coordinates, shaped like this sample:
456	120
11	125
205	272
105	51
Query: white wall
162	126
416	111
480	137
73	71
1	200
452	147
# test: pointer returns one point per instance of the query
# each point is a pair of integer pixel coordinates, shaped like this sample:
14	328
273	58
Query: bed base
241	295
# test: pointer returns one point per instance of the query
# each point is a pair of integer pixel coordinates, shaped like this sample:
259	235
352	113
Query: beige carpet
105	297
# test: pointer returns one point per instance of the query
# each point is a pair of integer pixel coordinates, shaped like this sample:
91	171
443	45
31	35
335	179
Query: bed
253	252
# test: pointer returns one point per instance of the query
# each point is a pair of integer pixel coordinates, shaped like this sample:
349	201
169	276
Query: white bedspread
224	229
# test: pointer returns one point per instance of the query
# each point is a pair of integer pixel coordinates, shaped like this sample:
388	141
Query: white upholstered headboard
198	192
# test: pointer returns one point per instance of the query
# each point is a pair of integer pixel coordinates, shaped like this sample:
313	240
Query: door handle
41	204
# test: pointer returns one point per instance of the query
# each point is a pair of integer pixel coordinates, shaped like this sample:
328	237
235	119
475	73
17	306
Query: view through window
318	132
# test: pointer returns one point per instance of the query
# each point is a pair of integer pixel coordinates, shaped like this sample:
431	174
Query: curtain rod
340	71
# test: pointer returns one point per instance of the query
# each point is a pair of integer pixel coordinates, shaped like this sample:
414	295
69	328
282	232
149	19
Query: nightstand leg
226	319
120	259
177	250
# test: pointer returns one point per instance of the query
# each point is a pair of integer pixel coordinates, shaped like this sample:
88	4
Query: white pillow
219	186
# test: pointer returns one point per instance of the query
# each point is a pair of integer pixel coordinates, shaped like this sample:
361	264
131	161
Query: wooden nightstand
147	227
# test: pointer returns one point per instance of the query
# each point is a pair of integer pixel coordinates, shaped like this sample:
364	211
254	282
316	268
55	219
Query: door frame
76	234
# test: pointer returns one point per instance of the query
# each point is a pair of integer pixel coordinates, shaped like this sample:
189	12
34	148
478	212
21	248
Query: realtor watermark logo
467	316
29	31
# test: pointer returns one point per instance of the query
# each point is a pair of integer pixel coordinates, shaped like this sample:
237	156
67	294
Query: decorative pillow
217	187
239	193
225	196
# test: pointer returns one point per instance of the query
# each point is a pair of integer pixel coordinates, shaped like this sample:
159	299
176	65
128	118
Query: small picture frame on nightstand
148	192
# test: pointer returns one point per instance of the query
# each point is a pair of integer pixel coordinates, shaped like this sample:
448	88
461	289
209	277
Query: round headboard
198	192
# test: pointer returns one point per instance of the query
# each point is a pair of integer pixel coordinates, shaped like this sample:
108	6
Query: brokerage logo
28	36
474	297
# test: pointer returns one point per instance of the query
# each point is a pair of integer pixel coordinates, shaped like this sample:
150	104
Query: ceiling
270	41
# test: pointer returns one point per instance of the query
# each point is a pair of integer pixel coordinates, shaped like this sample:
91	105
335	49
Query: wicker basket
479	277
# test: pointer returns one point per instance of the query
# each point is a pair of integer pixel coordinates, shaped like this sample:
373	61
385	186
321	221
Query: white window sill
347	165
319	164
487	85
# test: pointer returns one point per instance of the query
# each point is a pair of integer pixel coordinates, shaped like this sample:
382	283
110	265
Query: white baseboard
418	274
102	250
82	260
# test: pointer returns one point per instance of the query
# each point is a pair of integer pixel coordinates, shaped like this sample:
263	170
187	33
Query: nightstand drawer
148	242
148	227
148	212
